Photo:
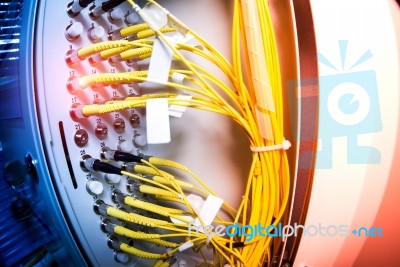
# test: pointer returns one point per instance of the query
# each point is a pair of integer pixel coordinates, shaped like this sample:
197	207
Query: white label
160	62
209	210
177	111
157	120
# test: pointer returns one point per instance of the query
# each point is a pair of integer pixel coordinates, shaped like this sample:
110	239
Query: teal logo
349	106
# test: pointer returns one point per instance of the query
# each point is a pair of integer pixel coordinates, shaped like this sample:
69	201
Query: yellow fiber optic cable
126	77
115	51
140	253
87	51
127	31
163	243
136	52
170	199
165	211
142	169
120	230
154	161
135	218
110	78
195	102
254	103
168	179
149	33
159	263
157	191
146	180
163	180
152	238
187	64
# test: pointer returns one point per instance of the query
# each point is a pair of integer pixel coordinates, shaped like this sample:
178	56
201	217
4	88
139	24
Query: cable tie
209	210
185	246
154	16
285	146
209	237
177	110
177	77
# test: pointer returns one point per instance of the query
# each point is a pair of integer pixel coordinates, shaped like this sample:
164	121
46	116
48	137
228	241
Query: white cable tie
188	39
185	246
285	146
177	110
196	202
209	210
177	78
181	219
209	237
154	16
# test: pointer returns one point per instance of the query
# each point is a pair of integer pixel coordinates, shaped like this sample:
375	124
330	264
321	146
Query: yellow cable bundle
271	186
163	180
256	106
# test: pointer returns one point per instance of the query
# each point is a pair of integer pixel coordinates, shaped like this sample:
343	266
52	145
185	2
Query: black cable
100	166
85	3
107	6
235	245
126	157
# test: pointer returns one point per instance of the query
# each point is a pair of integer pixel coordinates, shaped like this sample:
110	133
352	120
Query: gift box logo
347	103
348	107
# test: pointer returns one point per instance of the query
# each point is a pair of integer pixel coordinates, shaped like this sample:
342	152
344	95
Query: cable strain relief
235	244
113	243
94	59
72	57
100	166
126	157
146	157
114	35
73	84
108	5
85	3
117	196
100	207
107	154
107	226
88	163
76	112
